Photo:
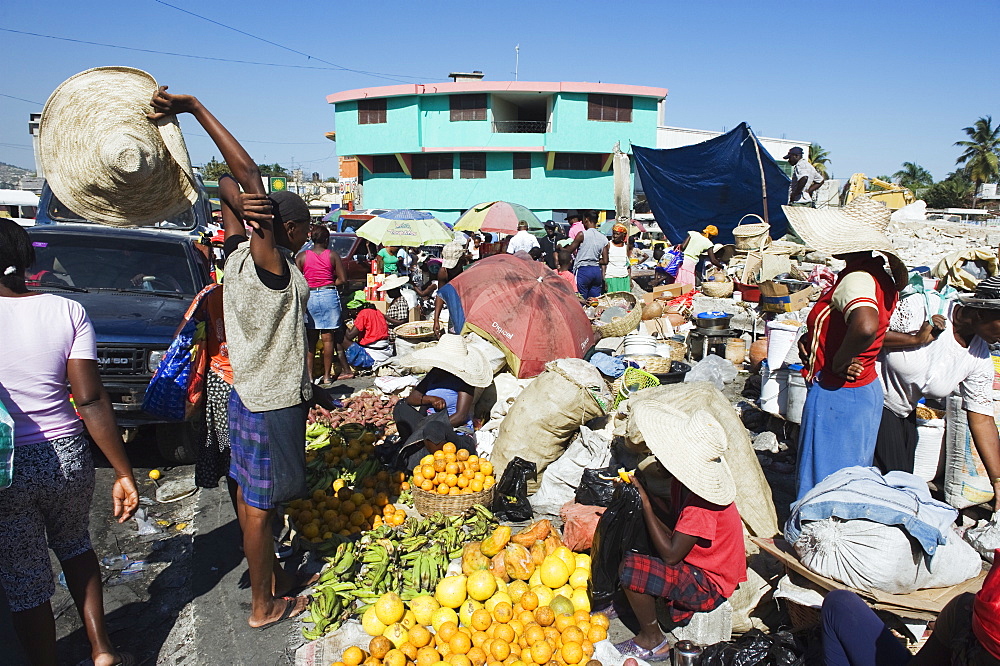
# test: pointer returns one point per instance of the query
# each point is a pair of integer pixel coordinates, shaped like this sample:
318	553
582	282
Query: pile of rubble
926	243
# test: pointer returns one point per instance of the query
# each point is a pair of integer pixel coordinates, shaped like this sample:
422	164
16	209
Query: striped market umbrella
499	217
412	228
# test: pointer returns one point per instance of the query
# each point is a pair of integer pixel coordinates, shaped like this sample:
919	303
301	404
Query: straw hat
452	253
393	282
104	159
691	449
453	355
856	227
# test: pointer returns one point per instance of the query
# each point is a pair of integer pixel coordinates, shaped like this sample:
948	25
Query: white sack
592	448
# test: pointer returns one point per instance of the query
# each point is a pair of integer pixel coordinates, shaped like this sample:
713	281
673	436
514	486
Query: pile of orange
453	472
341	510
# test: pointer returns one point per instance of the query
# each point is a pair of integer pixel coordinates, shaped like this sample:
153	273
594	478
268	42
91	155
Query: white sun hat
453	355
104	159
393	282
690	448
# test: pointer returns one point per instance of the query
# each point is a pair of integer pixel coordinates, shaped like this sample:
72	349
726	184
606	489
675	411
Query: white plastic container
773	390
640	344
797	391
780	339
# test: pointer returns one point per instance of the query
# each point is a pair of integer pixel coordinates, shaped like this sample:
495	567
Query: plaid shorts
686	589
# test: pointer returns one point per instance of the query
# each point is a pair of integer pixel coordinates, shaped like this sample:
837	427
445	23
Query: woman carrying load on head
694	246
843	338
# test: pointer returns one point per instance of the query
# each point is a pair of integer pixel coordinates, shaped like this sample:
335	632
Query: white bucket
780	338
640	344
664	350
797	391
773	390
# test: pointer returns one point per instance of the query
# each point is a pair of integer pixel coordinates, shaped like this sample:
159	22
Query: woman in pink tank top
324	272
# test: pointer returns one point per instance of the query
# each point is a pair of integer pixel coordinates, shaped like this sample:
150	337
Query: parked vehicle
19	205
357	255
135	285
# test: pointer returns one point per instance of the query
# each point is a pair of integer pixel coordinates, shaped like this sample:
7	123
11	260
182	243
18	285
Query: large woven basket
751	236
427	503
717	288
625	324
801	617
416	331
652	364
678	350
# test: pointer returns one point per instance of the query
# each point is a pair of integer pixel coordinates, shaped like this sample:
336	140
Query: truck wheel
178	442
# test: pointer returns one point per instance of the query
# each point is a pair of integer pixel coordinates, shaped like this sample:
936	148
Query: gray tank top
589	252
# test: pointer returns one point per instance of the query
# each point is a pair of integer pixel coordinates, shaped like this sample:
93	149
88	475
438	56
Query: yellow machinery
892	195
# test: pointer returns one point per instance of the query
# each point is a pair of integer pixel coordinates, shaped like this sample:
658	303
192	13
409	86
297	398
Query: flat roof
450	88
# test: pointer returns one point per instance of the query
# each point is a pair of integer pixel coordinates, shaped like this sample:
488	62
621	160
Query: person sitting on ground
615	261
565	262
522	241
589	249
688	502
950	355
388	261
325	274
366	343
457	370
694	246
397	312
966	633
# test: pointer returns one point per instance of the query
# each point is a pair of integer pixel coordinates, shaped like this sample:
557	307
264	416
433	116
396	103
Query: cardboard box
415	314
666	292
775	297
381	306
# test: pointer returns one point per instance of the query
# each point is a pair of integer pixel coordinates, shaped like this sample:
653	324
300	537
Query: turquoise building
445	147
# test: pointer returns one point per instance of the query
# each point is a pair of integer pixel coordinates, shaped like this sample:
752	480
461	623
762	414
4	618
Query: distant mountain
10	175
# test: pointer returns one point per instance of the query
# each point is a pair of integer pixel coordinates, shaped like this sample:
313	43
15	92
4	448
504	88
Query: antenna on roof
517	53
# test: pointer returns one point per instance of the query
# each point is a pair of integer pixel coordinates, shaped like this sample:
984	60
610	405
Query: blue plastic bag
166	395
676	259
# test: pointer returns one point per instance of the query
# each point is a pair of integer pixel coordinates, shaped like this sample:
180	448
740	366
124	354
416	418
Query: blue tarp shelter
714	182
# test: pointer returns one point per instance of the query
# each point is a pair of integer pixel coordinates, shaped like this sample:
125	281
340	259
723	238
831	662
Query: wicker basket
652	364
678	350
427	503
416	331
625	324
751	236
801	617
717	289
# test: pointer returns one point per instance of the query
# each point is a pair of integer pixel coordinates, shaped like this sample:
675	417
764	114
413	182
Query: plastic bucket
780	338
640	345
770	390
797	391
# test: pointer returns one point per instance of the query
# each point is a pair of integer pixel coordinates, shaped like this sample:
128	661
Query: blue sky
875	84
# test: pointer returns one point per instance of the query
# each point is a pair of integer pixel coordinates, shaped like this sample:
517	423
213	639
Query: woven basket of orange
450	481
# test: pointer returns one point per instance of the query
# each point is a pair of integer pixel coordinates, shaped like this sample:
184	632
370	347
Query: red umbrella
527	310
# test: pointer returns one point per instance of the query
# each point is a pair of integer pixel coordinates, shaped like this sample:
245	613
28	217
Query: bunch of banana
322	479
380	556
333	598
426	567
317	436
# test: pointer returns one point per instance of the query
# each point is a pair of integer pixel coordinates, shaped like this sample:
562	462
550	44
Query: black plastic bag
597	486
755	648
510	499
621	529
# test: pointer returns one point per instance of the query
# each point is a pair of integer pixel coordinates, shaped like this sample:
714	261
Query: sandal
630	648
286	614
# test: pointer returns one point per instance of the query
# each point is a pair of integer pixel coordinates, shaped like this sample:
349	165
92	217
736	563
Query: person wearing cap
576	227
689	507
805	179
457	370
615	262
397	312
522	241
951	355
589	262
549	244
452	256
966	632
694	246
325	274
265	305
843	338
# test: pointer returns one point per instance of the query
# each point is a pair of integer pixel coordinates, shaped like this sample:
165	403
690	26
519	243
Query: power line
21	99
170	53
382	75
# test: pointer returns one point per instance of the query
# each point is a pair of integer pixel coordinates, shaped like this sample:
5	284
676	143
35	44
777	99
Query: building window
433	166
578	162
472	165
468	107
386	164
522	165
371	111
612	108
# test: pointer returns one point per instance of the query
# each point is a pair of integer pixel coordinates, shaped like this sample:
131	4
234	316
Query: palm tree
913	176
982	152
819	158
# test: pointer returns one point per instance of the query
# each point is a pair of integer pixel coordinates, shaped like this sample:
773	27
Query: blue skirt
323	310
839	429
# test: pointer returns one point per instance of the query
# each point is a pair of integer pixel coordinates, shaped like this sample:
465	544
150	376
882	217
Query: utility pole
517	53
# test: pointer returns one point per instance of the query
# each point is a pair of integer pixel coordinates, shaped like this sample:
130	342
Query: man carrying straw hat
694	527
844	336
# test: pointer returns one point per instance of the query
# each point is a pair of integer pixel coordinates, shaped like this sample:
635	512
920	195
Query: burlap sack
545	416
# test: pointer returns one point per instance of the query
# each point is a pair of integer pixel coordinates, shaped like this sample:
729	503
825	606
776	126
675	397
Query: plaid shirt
398	309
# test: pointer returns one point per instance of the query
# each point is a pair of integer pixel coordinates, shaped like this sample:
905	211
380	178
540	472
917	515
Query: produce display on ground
407	560
452	471
364	408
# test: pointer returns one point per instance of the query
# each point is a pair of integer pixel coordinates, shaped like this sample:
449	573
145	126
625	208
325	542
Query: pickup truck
135	285
356	254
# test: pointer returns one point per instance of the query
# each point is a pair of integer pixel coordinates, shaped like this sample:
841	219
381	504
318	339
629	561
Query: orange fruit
379	646
372	661
588	649
451	468
503	612
572	634
476	485
458	659
505	633
427	656
463	482
438	455
463	454
427	485
447	630
427	471
443	489
481	619
597	633
500	650
410	650
529	601
477	656
394	658
460	643
491	631
455	491
526	617
479	637
572	653
517	626
488	648
525	655
552	635
439	465
543	615
353	656
419	636
581	616
564	622
541	652
601	620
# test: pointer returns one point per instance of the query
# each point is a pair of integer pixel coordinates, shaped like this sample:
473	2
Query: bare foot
111	659
345	375
279	609
289	583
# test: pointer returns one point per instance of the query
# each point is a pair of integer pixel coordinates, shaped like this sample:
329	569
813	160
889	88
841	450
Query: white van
19	205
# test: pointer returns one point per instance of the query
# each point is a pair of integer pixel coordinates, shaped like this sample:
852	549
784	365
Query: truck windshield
342	245
58	211
99	262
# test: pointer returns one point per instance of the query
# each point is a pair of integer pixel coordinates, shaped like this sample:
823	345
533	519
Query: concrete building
445	147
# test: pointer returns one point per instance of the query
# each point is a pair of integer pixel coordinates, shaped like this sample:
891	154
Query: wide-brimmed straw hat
452	253
104	159
986	295
690	448
393	282
453	355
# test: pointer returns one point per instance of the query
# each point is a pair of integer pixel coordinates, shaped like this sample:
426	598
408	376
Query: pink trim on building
483	149
449	88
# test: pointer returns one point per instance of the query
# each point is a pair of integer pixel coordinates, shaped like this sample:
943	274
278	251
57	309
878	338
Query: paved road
189	604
